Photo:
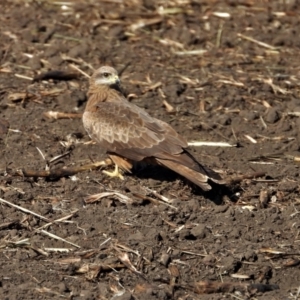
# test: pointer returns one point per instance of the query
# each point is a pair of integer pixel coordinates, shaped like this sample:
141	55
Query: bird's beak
116	80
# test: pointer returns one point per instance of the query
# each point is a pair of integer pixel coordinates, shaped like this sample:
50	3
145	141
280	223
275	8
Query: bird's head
106	76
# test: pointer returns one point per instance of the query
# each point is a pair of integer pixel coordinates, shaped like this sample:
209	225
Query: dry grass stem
15	244
262	162
24	77
19	96
27	211
114	194
161	93
293	113
172	10
168	106
219	35
78	61
262	44
127	249
41	153
243	177
124	258
240	276
45	290
251	139
270	157
79	70
168	42
210	287
193	253
211	144
55	158
60	250
56	237
61	115
26	242
223	15
187	80
263	122
231	82
273	251
161	197
294	158
190	52
152	87
274	87
152	200
276	138
59	220
28	95
63	172
144	23
103	243
67	38
5	70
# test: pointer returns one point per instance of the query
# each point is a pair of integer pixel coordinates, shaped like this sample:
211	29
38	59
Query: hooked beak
116	80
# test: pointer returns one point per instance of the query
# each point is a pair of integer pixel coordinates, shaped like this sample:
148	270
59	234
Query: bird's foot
115	173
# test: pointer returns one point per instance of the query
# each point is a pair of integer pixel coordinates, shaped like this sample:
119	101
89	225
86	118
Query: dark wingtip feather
213	176
187	166
199	179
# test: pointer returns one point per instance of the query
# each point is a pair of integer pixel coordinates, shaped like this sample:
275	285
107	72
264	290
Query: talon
115	173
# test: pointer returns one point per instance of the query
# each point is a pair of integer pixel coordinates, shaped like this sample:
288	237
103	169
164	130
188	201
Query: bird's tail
198	175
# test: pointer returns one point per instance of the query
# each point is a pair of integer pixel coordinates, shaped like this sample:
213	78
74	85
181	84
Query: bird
130	135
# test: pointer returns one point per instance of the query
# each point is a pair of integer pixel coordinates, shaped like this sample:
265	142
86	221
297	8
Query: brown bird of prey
129	134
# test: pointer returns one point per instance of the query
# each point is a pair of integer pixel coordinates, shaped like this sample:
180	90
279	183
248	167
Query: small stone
221	209
272	115
249	115
199	231
138	236
35	63
184	234
250	255
224	120
164	259
55	61
62	288
209	260
287	186
30	35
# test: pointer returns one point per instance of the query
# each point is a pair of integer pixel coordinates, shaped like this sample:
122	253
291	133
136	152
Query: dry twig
61	115
63	172
27	211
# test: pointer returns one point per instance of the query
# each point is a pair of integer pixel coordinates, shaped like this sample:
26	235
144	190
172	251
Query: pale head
106	76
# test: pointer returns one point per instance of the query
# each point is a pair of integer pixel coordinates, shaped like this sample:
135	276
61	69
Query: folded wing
126	130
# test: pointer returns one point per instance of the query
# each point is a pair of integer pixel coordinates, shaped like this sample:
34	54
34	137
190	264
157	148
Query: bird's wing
125	129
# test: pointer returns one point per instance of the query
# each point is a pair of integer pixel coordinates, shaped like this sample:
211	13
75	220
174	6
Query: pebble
271	116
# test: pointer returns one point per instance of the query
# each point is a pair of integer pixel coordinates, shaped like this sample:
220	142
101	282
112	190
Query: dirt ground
217	71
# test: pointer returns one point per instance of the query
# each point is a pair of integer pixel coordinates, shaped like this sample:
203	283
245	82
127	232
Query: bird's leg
104	163
115	173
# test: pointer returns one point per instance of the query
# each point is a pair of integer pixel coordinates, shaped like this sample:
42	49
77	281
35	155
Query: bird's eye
105	75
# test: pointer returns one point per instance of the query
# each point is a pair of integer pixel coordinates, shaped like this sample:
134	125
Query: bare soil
230	72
